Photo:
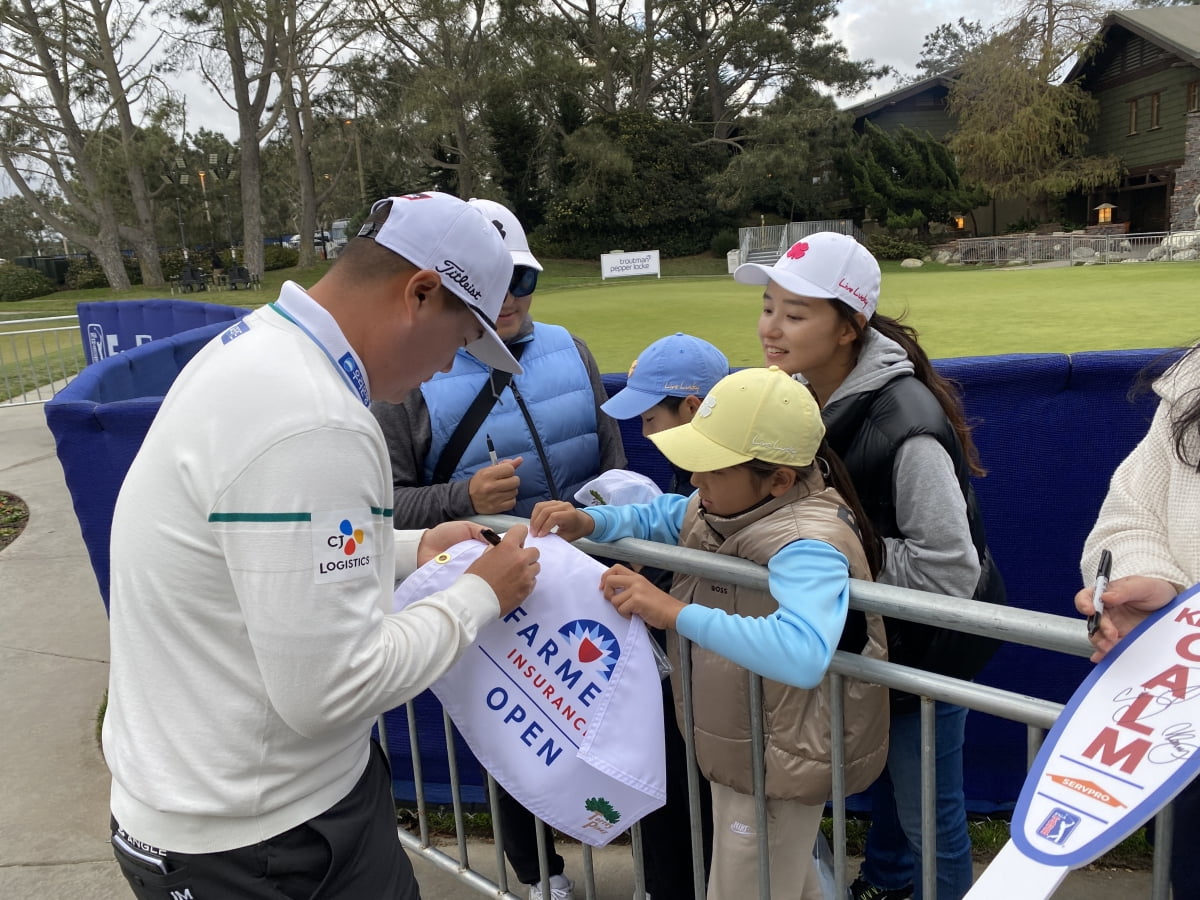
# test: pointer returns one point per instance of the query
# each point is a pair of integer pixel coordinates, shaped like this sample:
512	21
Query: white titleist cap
449	236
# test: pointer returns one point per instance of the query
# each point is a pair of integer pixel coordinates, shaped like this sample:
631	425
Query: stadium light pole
362	182
180	178
221	168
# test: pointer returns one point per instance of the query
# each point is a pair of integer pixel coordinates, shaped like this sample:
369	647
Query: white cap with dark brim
438	231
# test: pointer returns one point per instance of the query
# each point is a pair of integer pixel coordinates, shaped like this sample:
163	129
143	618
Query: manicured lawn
959	312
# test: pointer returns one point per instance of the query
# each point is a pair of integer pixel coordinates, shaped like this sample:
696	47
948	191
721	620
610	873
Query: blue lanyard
346	364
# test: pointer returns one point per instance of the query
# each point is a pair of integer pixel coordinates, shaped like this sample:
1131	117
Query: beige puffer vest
796	720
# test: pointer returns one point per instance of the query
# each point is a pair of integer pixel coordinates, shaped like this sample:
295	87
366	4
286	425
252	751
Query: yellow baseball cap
752	414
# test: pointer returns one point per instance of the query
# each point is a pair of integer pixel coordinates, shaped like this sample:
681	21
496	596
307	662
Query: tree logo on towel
603	817
604	808
592	644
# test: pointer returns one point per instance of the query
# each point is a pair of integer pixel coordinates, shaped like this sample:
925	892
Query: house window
1154	111
1133	117
1193	96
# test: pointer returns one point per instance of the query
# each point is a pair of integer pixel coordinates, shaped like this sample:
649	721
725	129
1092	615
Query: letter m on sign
185	894
1110	754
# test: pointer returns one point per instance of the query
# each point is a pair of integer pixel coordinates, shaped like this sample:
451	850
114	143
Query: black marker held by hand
1102	573
490	536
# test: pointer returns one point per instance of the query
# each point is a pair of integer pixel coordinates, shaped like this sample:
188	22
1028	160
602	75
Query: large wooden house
1145	73
1146	76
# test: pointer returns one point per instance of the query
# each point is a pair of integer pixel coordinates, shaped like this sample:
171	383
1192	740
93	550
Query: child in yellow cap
768	491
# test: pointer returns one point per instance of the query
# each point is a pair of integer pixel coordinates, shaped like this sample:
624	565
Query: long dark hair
942	388
1185	421
834	474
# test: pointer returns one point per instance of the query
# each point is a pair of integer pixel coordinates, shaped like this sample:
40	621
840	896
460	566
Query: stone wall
1184	205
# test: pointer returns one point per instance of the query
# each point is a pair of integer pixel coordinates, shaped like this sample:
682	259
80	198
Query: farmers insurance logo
340	549
592	644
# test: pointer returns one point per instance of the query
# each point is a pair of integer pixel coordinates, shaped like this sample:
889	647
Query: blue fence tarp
109	327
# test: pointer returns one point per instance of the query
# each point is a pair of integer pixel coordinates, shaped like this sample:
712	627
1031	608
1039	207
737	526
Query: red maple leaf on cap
797	250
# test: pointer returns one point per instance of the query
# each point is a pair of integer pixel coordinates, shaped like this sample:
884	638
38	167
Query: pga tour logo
1057	826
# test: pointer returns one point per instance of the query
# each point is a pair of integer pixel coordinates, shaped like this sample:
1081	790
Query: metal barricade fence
1024	249
1060	634
767	243
36	362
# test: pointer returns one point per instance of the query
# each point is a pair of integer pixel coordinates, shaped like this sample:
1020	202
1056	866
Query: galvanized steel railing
1061	634
35	363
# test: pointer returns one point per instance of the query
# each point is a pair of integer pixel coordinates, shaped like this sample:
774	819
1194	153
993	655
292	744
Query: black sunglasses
524	281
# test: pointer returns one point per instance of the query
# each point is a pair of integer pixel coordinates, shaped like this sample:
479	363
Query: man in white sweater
253	562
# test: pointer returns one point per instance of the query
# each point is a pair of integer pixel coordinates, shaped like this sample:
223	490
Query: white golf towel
560	700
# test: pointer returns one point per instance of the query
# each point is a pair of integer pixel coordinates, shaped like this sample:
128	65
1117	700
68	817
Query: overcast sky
892	31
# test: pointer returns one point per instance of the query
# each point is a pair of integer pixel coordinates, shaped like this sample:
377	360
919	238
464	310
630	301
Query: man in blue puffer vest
550	438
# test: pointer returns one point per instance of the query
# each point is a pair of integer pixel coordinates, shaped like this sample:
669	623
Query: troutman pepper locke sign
560	699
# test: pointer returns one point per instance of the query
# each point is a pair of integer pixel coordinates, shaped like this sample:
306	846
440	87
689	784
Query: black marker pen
1102	573
490	536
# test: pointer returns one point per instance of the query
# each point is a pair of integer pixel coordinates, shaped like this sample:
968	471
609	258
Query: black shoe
862	889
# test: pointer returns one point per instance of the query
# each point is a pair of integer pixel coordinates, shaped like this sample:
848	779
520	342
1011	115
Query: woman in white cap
900	429
767	490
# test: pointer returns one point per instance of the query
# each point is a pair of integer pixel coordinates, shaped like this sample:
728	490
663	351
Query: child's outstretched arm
659	520
560	517
633	594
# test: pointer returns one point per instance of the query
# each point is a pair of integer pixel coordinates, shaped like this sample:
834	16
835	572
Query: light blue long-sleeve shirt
810	580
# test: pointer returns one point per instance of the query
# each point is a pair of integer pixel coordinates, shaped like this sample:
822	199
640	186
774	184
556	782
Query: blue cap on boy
678	365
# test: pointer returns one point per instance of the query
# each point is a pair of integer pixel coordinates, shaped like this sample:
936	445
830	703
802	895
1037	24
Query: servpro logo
340	547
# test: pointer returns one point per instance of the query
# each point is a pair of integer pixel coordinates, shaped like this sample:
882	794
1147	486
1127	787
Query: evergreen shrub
20	283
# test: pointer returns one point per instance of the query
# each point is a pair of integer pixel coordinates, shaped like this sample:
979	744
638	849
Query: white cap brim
525	258
757	273
491	350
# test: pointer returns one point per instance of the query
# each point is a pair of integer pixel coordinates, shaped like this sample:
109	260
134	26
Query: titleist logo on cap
458	275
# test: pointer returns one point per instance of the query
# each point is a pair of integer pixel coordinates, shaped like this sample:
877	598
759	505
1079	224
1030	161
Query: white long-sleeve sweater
1150	519
253	562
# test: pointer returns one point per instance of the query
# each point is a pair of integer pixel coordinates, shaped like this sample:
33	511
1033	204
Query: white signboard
1123	747
618	265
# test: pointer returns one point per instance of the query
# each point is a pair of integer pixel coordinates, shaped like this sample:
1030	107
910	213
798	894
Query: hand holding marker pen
1102	573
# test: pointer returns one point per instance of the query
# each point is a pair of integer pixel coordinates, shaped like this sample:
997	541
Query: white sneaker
561	888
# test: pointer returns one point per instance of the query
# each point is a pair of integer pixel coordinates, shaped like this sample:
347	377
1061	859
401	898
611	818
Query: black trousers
519	835
349	852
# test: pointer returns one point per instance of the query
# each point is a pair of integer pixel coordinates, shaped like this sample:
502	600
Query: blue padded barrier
99	421
1051	428
112	326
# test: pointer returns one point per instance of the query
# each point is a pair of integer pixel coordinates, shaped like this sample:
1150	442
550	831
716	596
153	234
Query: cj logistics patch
341	542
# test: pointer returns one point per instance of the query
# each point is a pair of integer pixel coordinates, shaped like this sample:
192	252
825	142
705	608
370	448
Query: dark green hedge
20	283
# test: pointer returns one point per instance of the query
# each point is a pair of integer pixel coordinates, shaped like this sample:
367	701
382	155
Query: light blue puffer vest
559	396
